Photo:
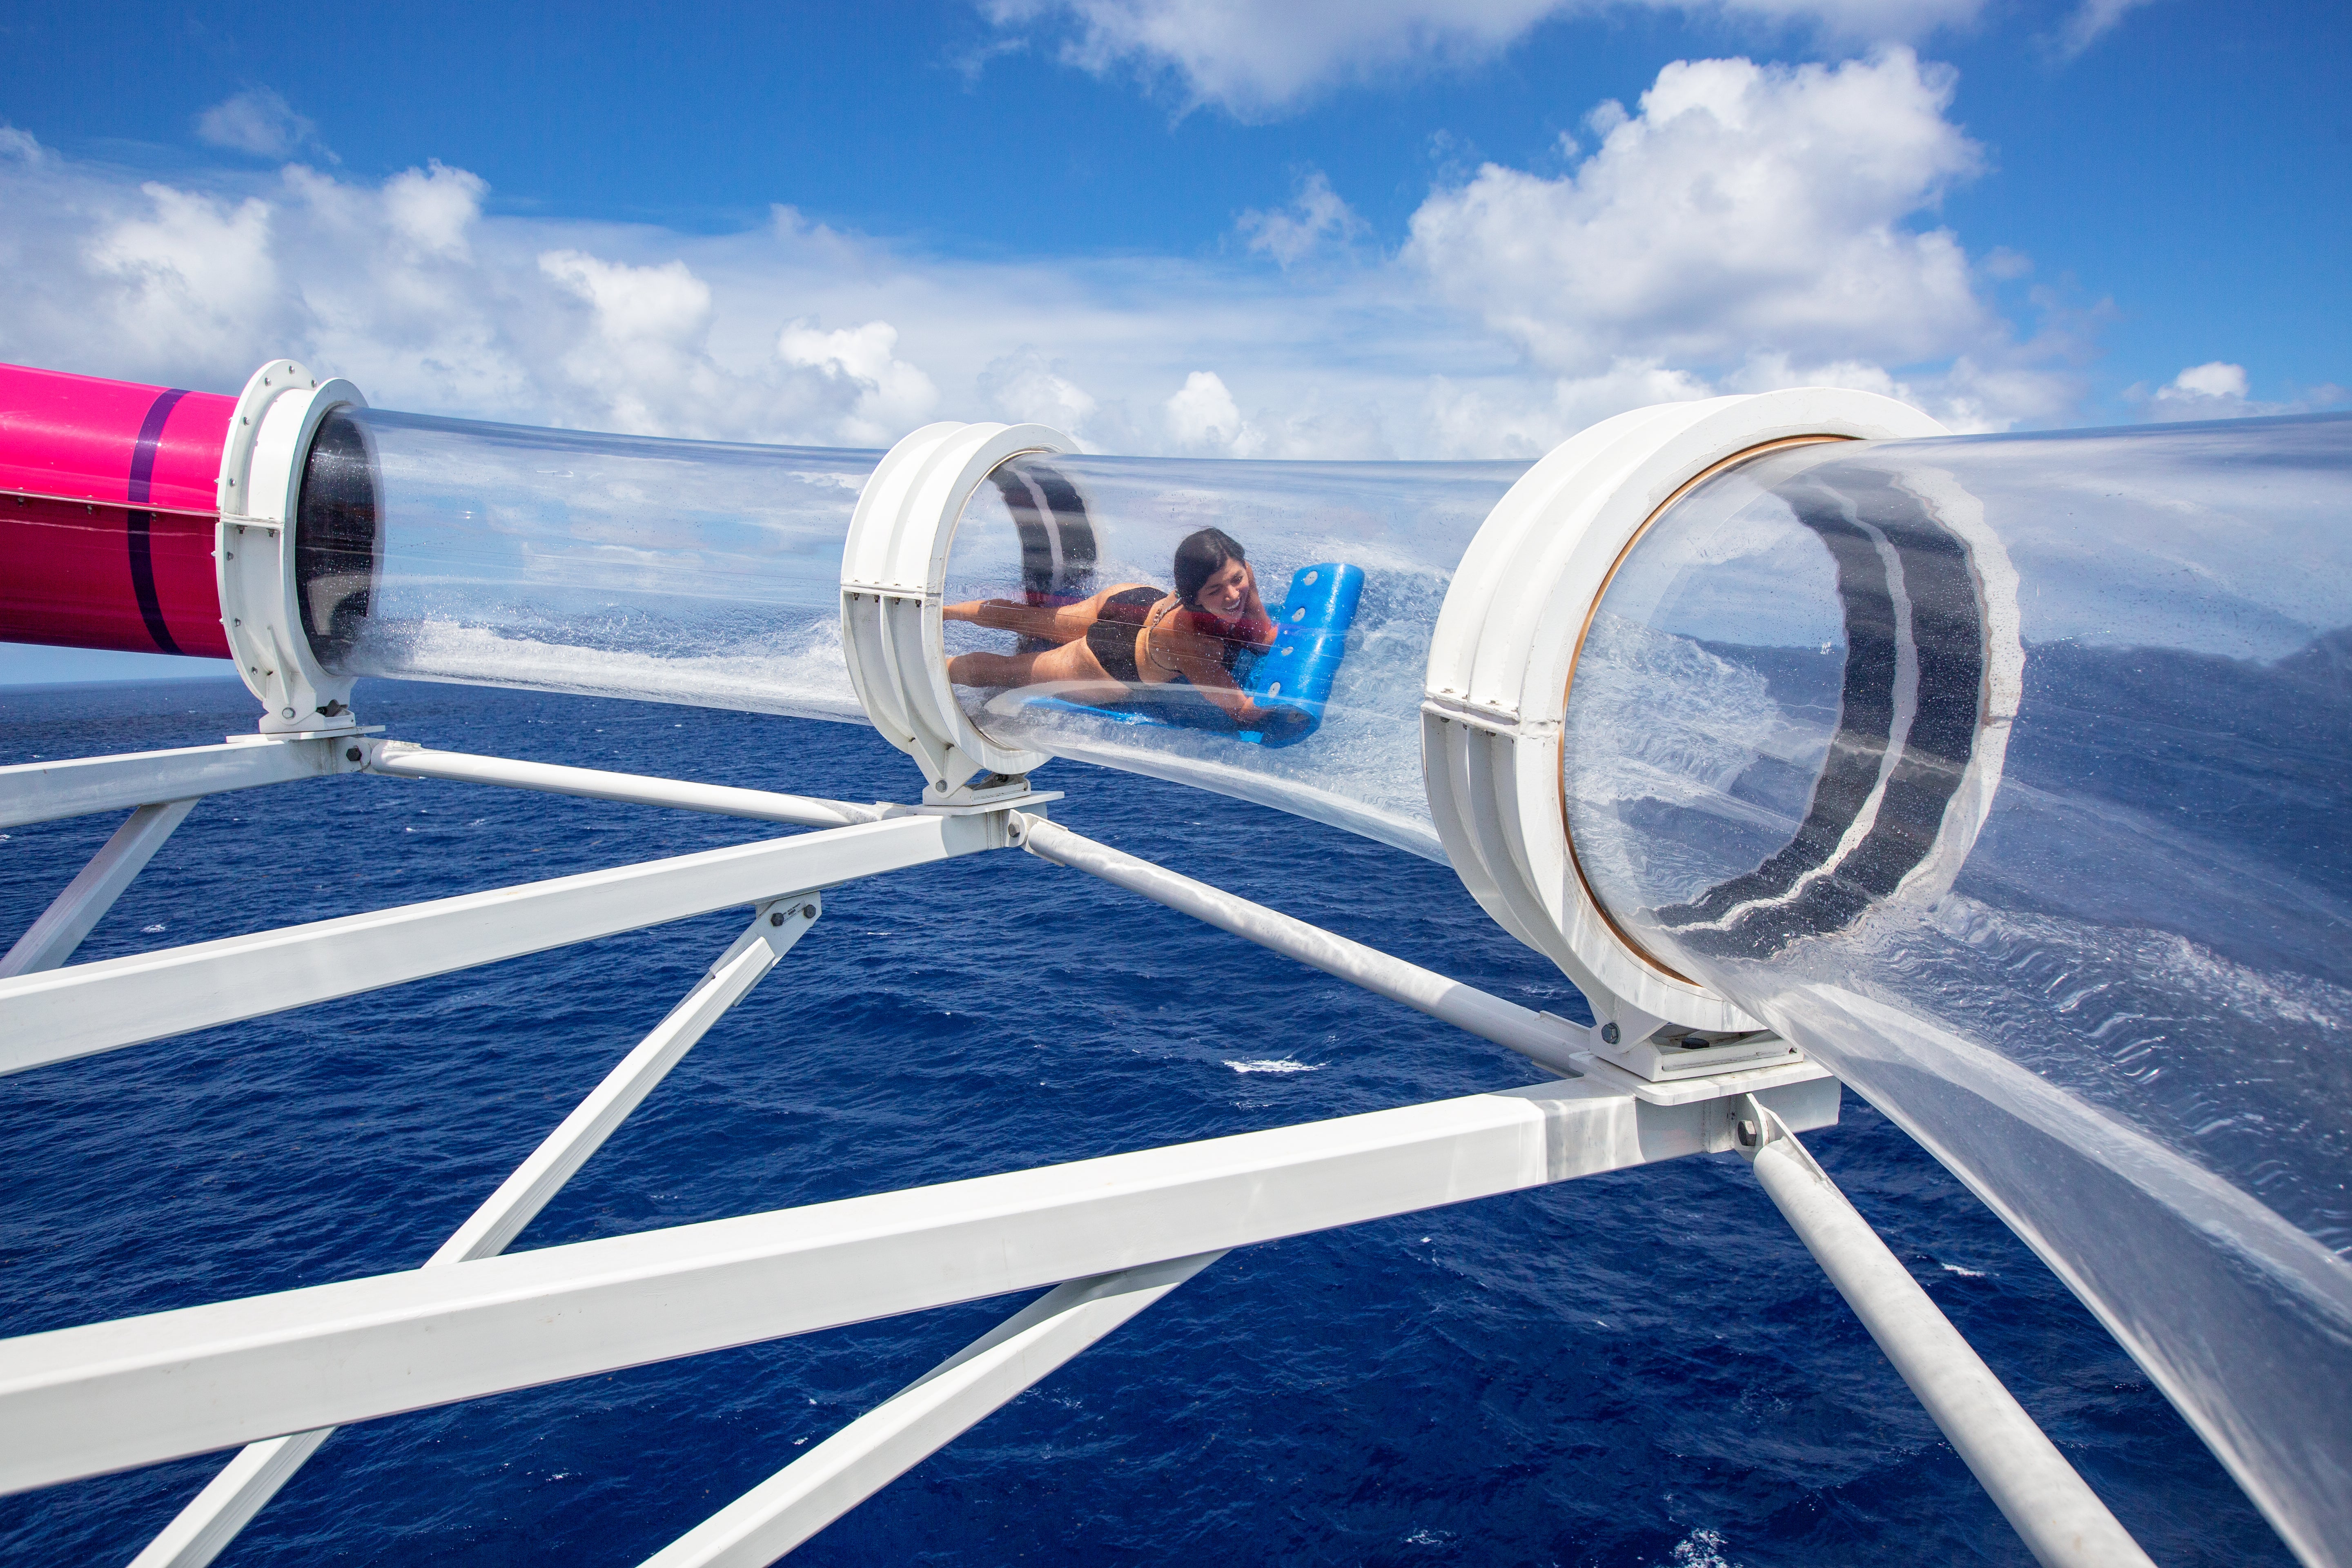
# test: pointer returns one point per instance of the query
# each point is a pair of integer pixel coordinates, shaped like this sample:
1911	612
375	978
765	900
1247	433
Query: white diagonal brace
51	940
1553	1042
400	759
213	1518
77	786
929	1413
106	1396
89	1007
2062	1519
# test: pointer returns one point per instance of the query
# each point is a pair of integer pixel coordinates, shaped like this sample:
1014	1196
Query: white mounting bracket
259	495
1506	640
893	575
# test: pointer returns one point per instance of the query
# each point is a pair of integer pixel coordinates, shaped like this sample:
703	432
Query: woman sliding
1135	636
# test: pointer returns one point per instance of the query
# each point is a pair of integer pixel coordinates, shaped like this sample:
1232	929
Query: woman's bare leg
995	668
1072	661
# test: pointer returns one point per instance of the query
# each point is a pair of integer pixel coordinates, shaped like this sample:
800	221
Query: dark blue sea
1643	1368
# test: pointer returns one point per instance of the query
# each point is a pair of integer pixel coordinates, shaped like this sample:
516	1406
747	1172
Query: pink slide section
106	513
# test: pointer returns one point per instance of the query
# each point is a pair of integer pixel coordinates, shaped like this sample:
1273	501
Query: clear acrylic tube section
1289	671
607	565
2011	775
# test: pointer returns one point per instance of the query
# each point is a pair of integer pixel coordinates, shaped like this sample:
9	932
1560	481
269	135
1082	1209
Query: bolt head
808	911
350	753
777	919
1610	1033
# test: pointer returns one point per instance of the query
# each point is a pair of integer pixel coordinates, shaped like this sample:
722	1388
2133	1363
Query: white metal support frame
213	1518
2062	1520
929	1413
1507	637
136	1391
51	938
118	1002
82	786
259	495
893	576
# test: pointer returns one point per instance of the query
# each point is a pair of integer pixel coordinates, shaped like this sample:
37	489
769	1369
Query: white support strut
1554	1042
118	1002
2061	1519
929	1413
136	1391
400	759
50	941
82	786
213	1518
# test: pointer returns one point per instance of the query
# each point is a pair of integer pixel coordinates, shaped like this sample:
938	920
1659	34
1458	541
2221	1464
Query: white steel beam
89	1007
2062	1519
929	1413
1553	1042
400	759
106	1396
51	940
213	1516
77	786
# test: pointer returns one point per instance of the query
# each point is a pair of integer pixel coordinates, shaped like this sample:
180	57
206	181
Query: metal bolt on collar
777	919
350	753
1610	1033
809	910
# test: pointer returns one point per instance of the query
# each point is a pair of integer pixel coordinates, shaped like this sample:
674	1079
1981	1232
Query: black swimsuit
1127	612
1112	635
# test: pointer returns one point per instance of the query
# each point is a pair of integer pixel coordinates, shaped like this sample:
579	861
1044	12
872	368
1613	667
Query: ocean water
1644	1368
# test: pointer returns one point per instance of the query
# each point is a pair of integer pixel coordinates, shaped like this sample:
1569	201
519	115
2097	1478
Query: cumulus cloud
890	397
1745	208
1744	226
1256	60
1315	217
260	121
2220	390
1203	419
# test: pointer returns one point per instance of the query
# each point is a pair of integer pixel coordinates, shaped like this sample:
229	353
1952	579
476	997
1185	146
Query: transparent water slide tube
563	561
2012	777
1351	563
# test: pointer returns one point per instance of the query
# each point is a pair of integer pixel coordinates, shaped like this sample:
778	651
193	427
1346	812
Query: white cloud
1290	234
1203	419
1026	388
2091	21
2220	390
1257	60
193	274
260	121
891	396
1745	209
2211	380
1745	227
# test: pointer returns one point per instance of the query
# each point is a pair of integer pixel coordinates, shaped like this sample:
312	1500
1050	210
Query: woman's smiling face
1226	591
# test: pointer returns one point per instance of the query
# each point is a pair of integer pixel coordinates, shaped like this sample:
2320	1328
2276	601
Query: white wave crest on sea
1701	1549
1276	1064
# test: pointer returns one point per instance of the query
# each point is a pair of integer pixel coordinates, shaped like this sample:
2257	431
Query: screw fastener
350	753
777	919
1610	1033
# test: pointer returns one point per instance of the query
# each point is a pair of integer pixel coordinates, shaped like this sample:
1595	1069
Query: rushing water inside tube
1639	1369
609	565
2094	941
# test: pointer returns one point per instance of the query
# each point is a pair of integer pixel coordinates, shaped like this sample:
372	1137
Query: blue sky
1386	228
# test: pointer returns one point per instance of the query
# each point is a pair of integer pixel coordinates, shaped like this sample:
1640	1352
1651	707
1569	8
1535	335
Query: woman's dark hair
1200	557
